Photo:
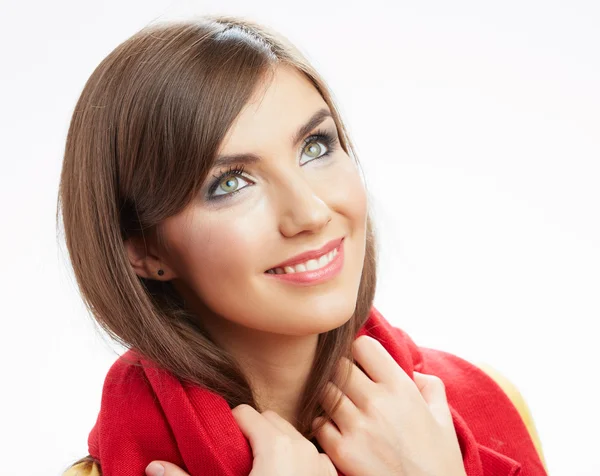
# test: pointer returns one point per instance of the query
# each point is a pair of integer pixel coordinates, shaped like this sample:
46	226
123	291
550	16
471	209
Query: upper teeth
309	265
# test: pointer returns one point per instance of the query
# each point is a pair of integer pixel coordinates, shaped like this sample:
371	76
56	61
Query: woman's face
292	197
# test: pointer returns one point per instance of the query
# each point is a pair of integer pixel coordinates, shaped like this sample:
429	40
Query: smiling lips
312	267
309	265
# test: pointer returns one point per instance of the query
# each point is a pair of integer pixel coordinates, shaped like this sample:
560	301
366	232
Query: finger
433	391
327	465
162	468
353	382
377	363
328	436
345	413
255	427
432	387
281	424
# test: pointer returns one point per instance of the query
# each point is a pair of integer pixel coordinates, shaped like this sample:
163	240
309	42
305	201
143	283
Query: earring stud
160	272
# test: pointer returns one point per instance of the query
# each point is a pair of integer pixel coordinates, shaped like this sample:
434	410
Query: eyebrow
313	122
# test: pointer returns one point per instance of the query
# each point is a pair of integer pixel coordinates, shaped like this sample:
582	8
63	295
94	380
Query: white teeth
310	265
323	260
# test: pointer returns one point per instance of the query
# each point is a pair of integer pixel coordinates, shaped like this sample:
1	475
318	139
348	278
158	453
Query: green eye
315	149
229	185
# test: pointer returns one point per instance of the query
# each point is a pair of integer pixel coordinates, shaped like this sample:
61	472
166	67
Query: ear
145	260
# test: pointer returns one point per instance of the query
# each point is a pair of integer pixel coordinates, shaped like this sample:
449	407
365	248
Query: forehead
280	104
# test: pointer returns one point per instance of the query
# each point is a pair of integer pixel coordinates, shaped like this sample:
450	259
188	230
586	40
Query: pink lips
316	276
313	254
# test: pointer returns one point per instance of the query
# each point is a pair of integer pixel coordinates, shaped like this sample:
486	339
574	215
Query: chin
322	313
324	316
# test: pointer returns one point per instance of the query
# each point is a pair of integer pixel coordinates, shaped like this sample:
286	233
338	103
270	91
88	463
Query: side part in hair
142	140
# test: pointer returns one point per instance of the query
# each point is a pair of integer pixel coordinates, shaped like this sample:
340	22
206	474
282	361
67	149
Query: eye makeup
232	171
322	136
326	138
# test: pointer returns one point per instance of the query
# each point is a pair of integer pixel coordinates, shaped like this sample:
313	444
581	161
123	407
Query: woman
218	226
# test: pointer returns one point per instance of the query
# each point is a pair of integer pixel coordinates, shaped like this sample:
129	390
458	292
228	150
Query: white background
478	126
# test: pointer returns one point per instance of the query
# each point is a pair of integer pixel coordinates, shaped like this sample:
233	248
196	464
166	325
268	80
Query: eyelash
320	135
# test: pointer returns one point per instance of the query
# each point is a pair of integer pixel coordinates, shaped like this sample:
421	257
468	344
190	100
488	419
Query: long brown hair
141	141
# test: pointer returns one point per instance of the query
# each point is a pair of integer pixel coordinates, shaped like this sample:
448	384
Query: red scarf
146	414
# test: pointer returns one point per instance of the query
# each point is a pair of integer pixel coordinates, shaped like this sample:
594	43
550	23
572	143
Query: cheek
345	193
216	255
220	256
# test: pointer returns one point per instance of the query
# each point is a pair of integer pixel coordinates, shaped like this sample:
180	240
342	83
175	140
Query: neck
277	366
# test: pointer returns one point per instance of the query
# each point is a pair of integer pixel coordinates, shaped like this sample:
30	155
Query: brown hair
140	144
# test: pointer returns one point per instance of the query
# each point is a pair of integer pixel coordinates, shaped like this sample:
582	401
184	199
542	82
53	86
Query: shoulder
124	387
491	404
470	389
130	383
127	371
128	391
130	417
518	401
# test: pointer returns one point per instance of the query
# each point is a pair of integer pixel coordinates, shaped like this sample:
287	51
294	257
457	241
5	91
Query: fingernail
155	469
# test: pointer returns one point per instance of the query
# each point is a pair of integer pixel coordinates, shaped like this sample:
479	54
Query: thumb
162	468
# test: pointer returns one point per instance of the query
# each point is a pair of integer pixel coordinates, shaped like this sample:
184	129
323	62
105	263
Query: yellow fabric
87	469
83	469
518	401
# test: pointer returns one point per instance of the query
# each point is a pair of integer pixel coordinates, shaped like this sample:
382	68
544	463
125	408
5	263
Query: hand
277	447
162	468
386	423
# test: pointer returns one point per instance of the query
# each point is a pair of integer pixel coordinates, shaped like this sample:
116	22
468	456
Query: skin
387	423
217	253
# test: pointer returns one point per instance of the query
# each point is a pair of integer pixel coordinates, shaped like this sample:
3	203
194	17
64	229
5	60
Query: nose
301	208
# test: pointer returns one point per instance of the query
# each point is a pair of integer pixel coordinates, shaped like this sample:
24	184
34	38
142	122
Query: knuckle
361	425
375	403
340	452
